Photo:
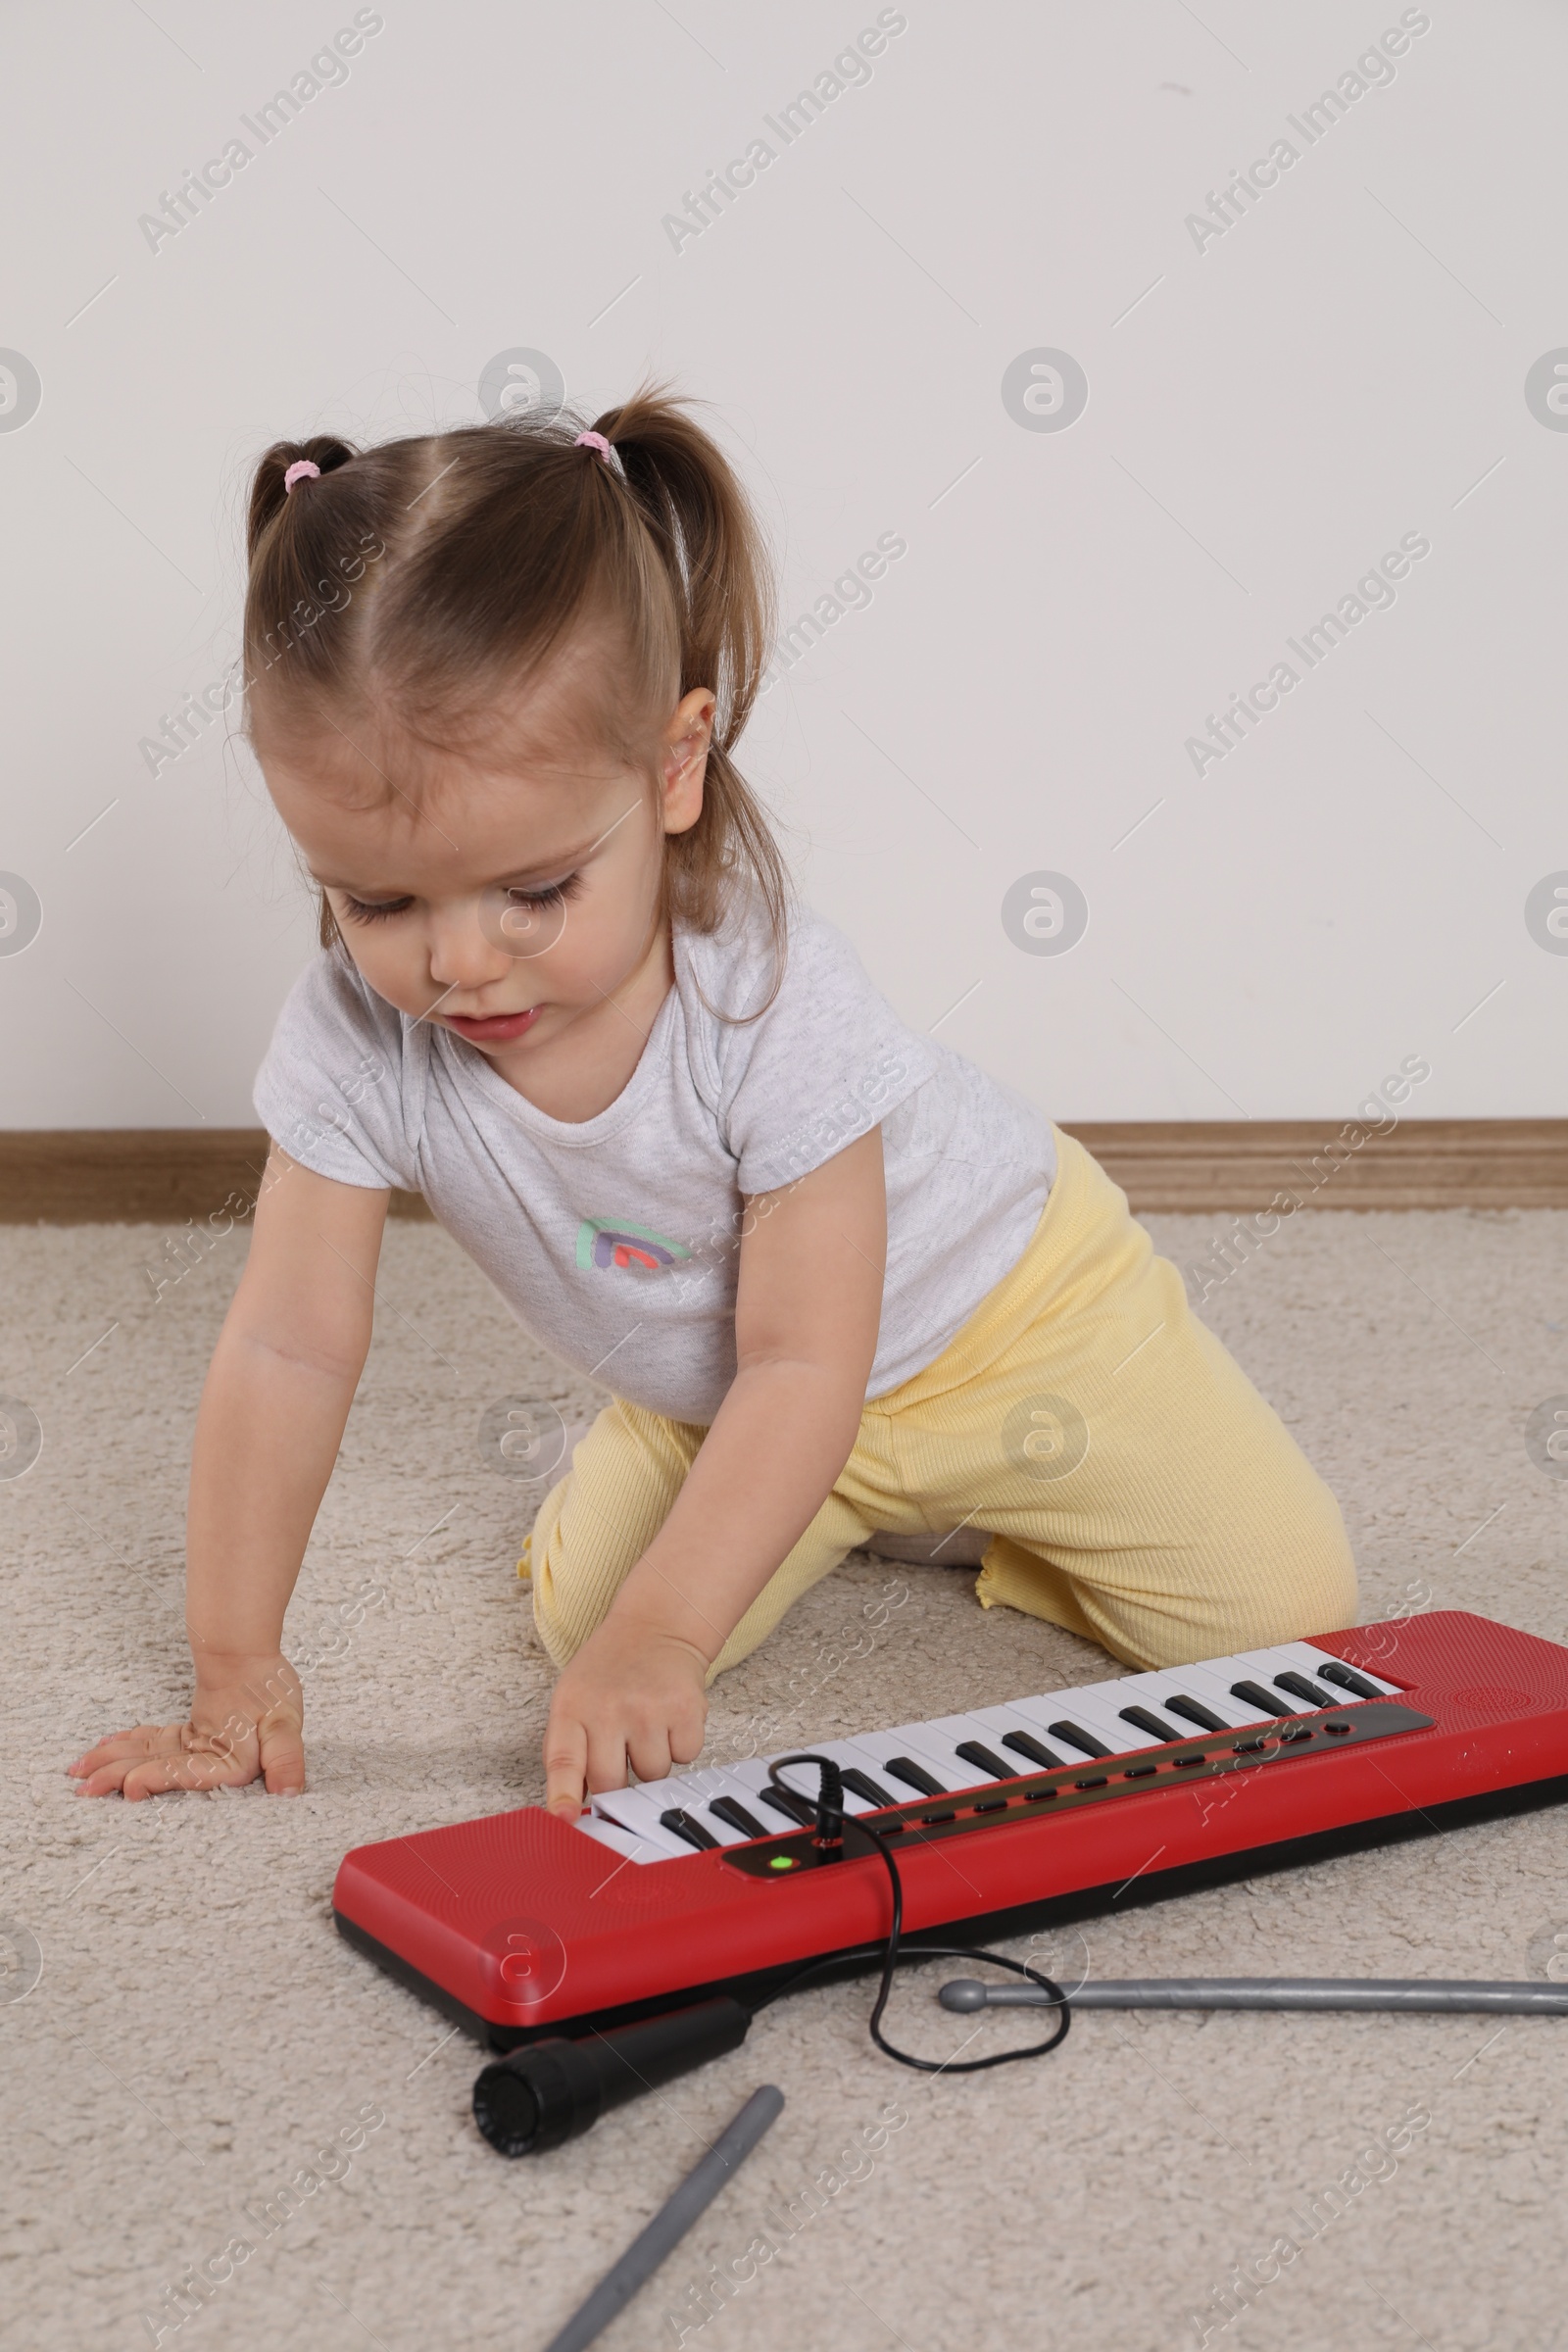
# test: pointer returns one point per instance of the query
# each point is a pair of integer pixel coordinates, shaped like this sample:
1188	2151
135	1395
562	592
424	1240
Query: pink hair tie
301	471
593	441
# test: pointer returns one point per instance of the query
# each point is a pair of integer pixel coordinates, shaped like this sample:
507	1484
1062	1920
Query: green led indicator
783	1862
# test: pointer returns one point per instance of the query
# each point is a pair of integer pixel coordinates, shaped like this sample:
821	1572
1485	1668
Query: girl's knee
1309	1588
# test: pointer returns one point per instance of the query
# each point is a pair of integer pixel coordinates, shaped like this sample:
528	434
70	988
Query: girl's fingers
566	1766
146	1740
158	1775
649	1754
142	1775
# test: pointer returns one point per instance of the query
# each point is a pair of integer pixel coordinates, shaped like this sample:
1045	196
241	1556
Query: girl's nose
461	955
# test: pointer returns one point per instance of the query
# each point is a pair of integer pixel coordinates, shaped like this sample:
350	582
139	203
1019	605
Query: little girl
838	1280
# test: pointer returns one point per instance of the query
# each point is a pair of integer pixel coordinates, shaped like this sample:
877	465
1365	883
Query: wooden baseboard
1421	1163
84	1176
136	1175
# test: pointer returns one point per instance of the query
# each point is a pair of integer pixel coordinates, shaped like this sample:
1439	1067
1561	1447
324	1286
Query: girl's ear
686	745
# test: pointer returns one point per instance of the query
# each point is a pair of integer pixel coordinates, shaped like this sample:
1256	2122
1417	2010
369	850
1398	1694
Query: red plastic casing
517	1923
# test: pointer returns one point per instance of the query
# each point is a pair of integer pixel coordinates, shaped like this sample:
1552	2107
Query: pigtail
721	582
269	493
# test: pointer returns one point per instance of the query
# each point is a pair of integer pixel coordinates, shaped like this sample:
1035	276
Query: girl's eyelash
365	911
556	894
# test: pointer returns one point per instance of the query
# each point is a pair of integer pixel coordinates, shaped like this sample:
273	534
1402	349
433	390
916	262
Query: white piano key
996	1722
624	1843
875	1749
635	1811
1091	1712
937	1744
694	1792
1106	1701
1210	1691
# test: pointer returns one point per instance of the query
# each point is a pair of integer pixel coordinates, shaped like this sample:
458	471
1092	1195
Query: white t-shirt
615	1240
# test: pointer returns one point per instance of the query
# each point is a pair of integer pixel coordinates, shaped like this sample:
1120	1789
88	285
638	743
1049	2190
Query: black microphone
551	2092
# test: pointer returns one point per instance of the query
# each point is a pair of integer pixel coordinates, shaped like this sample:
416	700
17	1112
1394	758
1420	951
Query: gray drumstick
670	2223
1269	1992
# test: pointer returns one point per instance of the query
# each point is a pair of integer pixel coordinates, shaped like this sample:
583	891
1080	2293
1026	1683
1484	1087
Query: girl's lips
497	1029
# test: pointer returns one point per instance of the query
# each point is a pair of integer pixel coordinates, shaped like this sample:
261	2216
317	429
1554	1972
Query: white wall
1344	364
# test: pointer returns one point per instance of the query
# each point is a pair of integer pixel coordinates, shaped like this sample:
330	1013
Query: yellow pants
1134	1486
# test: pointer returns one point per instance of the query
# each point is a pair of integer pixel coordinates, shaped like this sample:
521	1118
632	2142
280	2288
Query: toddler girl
838	1280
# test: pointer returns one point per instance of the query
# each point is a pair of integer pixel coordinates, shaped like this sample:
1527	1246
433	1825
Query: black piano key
1024	1744
1299	1686
1253	1694
984	1760
794	1807
1191	1711
913	1776
731	1809
1077	1739
1141	1721
860	1784
1331	1671
693	1832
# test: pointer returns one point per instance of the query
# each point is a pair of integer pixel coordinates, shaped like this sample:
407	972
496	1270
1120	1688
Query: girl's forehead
472	825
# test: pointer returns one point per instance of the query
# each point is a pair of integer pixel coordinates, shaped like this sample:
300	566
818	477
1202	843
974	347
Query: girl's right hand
247	1726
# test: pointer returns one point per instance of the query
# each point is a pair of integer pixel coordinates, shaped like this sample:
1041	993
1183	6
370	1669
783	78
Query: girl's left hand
633	1694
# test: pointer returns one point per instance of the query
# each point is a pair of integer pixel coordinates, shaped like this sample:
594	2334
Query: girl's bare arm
806	1316
273	1410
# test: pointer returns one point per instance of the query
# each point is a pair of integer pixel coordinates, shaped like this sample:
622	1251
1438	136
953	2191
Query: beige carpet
199	2031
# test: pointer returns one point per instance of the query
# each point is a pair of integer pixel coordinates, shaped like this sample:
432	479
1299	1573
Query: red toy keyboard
1004	1819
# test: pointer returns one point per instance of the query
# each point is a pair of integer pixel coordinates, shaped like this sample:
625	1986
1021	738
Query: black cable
830	1827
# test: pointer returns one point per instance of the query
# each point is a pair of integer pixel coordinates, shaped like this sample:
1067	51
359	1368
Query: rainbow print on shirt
625	1245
